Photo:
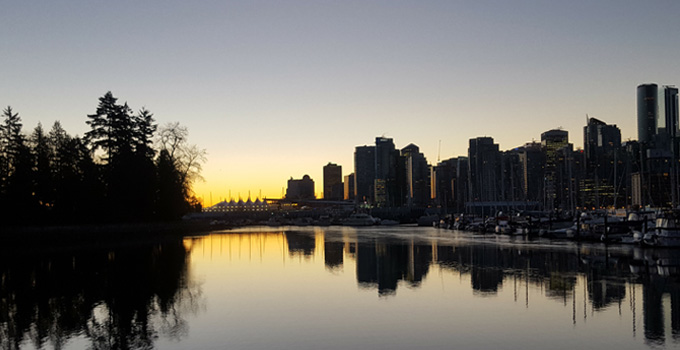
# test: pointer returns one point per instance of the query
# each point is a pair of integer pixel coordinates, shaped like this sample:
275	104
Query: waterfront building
386	189
483	170
460	184
364	173
417	176
442	178
657	185
349	187
300	188
240	206
553	142
567	178
673	132
633	165
603	184
511	176
668	122
332	182
647	112
658	132
532	165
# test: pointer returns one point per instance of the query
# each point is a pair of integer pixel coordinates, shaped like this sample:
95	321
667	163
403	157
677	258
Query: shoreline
104	233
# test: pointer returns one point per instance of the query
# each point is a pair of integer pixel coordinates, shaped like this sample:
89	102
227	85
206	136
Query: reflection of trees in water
123	298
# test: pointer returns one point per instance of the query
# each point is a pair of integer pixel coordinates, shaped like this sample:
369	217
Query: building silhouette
668	123
332	182
364	174
656	183
349	187
532	167
647	112
417	176
484	170
300	189
603	183
385	181
556	178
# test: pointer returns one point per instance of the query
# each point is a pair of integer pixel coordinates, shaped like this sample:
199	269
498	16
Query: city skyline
276	90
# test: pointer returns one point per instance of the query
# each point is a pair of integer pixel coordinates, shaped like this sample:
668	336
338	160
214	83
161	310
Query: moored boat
666	233
360	219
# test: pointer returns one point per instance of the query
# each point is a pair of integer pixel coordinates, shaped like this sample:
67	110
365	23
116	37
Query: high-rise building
332	182
511	176
417	176
532	164
657	133
349	187
553	142
603	184
364	173
385	184
484	170
670	117
648	112
449	184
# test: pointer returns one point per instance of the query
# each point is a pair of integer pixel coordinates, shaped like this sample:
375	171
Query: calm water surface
340	288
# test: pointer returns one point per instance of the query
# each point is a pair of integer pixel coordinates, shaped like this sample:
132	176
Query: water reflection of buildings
587	281
300	243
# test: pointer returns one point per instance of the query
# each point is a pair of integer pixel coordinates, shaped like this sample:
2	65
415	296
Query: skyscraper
532	164
332	182
349	187
417	176
648	112
554	144
364	173
385	172
603	182
484	169
670	120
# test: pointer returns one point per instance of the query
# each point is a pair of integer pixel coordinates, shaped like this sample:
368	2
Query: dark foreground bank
89	234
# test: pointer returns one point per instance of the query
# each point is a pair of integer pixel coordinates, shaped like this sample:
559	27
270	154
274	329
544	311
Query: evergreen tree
16	168
128	163
171	198
42	172
145	129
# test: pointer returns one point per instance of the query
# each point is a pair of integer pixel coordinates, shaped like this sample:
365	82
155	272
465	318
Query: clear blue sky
274	89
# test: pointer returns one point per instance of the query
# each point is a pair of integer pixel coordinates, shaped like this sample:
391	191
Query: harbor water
341	288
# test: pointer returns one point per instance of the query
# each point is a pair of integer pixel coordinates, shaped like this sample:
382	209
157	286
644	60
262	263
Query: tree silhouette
113	174
42	172
16	174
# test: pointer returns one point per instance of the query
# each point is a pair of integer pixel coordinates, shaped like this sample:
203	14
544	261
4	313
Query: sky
278	89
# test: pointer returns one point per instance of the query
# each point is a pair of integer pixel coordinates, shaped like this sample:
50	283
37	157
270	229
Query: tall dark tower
671	110
332	182
364	173
385	171
555	144
603	179
648	112
484	169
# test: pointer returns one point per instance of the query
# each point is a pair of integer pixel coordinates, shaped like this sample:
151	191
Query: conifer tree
43	189
16	169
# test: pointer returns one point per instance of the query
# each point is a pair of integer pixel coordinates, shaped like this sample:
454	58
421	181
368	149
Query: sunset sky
277	89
